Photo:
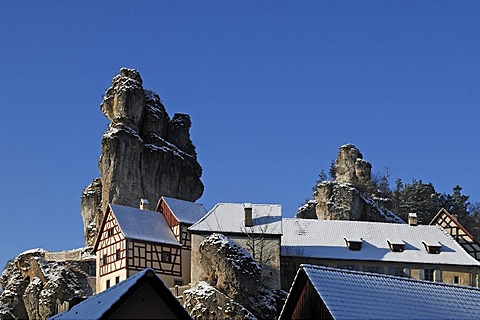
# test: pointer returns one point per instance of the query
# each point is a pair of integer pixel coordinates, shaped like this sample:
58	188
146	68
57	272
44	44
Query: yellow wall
467	275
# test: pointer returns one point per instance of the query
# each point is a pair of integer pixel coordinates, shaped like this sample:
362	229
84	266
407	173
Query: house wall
265	250
467	275
142	254
111	254
309	305
144	303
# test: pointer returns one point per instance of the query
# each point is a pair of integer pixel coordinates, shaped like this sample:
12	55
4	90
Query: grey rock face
145	154
236	280
350	166
91	210
206	302
349	196
229	267
32	286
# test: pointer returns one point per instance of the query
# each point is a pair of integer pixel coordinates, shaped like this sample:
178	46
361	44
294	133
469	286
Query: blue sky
273	89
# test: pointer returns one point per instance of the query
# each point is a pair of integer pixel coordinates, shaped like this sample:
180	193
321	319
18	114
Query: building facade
131	240
412	251
255	227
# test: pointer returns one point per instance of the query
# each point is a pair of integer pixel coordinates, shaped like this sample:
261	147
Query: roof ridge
381	275
121	205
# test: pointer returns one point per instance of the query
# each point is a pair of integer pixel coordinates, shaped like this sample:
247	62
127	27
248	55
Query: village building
142	296
132	239
255	227
423	252
451	225
328	293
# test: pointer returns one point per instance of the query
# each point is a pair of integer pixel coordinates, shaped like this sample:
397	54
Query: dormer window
354	244
396	245
432	247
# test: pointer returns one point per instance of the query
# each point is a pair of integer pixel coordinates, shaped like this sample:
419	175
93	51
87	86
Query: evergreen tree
417	197
332	171
457	203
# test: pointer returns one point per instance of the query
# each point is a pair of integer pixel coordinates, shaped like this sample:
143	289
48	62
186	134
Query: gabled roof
325	239
143	225
106	302
230	218
451	225
357	295
185	211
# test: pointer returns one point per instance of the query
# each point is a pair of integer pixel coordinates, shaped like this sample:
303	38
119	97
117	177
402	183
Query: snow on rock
234	273
144	153
351	195
32	286
229	267
206	302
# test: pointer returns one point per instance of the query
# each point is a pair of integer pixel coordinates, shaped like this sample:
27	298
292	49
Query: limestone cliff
145	153
34	287
351	195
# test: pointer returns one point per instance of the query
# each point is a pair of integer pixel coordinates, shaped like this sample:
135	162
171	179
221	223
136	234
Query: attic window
433	247
396	245
354	244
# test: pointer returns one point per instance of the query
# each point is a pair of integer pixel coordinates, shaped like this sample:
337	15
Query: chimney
412	219
248	214
144	204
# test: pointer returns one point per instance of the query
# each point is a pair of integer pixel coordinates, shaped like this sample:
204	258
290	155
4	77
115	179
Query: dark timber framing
450	224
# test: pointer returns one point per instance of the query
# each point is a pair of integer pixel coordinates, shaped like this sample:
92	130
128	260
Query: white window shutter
421	274
437	275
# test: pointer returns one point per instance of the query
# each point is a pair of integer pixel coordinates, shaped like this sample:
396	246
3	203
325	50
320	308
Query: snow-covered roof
98	305
230	217
185	211
325	239
376	296
143	225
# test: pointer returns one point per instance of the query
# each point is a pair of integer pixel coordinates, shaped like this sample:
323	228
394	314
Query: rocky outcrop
206	302
351	195
145	154
34	287
91	210
232	286
229	267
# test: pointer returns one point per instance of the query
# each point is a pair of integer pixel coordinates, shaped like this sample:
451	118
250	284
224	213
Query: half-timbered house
131	240
451	225
180	215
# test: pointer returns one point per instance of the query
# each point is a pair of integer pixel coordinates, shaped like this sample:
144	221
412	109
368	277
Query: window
373	269
178	282
166	257
430	275
456	279
104	260
107	284
354	244
349	267
399	271
433	248
117	280
118	255
396	245
110	232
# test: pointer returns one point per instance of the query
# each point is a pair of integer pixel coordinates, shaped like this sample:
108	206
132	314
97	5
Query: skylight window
396	245
433	247
354	244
